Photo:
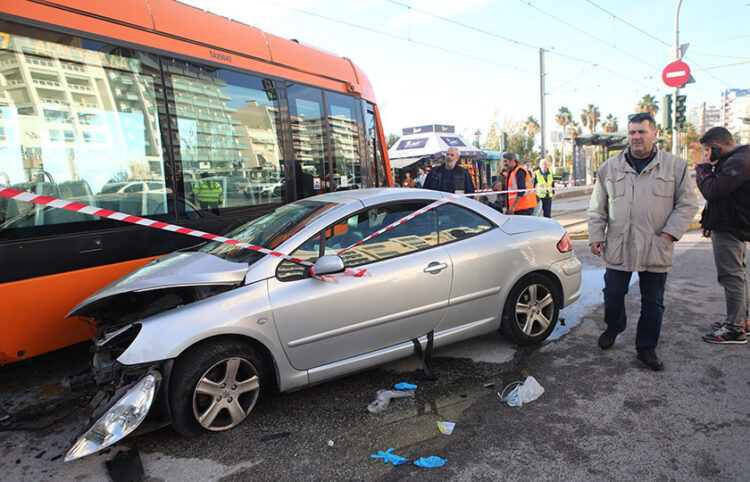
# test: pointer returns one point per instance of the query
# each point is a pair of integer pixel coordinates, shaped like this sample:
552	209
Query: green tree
610	124
531	125
563	118
391	140
648	104
590	117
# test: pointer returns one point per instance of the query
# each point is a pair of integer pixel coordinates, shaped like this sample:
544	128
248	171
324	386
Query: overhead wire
514	41
700	68
397	37
558	19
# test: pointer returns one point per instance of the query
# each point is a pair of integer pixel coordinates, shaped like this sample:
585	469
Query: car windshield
268	231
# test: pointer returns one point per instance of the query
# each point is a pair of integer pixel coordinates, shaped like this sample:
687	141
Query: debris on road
384	399
432	461
446	428
387	456
522	392
404	386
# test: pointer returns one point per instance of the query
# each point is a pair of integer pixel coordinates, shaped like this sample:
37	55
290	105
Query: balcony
42	62
81	87
47	100
73	67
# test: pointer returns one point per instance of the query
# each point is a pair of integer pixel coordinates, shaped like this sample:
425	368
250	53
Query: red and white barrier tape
439	202
151	223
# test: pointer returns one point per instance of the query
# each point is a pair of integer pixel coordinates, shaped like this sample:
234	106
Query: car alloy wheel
534	309
214	386
531	310
226	394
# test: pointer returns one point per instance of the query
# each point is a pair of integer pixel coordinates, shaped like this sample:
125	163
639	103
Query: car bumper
568	271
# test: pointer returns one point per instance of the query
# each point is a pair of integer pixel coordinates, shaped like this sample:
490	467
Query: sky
472	63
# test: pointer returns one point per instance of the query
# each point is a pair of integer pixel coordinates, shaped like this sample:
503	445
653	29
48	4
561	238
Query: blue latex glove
387	456
404	386
432	461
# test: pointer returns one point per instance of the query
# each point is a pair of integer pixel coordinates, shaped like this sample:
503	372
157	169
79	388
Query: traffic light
666	112
679	110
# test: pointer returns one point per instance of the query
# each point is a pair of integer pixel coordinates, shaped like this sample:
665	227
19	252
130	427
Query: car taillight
565	245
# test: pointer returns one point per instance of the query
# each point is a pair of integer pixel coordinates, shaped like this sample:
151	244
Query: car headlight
120	420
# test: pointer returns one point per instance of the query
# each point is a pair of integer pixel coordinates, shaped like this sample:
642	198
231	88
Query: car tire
531	310
214	387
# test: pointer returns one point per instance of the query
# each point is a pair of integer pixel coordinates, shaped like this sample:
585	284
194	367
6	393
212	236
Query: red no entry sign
676	74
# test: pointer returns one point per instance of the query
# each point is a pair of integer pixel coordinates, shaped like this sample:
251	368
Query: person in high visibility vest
545	186
208	192
516	201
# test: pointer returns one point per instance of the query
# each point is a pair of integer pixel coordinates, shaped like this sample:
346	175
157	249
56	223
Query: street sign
676	74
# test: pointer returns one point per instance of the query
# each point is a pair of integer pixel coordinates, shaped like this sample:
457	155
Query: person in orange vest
518	179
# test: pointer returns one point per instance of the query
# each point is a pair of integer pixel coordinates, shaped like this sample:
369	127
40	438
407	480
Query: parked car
194	337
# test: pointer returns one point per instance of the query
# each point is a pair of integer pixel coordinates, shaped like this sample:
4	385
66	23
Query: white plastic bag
524	392
384	398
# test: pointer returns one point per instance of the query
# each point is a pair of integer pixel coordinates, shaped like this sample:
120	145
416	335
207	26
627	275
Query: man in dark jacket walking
450	177
723	177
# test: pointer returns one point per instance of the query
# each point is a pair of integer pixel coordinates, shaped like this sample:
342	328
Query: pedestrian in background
518	179
641	204
208	192
499	186
723	178
421	178
486	201
545	187
408	181
450	177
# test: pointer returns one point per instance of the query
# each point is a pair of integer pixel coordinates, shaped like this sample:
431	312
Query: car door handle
435	267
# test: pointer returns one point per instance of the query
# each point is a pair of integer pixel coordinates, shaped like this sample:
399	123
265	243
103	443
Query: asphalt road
602	415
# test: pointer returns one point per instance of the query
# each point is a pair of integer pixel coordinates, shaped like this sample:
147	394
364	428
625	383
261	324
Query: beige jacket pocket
613	249
660	253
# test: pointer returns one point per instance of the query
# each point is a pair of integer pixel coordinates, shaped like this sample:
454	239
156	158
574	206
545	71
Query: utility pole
677	56
541	98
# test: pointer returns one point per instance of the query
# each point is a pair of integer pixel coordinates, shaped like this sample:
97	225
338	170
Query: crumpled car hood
170	271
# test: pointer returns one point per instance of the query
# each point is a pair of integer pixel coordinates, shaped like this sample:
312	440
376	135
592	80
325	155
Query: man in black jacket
450	177
723	177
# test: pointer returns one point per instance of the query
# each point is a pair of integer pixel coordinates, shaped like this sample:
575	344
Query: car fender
245	311
538	249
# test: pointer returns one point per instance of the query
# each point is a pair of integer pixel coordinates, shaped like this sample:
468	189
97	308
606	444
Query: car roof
372	196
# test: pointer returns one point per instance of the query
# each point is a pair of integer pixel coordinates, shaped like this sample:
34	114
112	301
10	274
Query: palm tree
574	129
610	124
531	126
590	117
648	104
563	118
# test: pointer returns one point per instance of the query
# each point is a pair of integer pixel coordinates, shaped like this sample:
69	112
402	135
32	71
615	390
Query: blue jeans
652	305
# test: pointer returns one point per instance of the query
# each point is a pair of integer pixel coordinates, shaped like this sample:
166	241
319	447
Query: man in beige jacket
643	202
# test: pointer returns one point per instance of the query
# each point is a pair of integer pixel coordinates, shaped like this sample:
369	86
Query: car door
478	252
403	295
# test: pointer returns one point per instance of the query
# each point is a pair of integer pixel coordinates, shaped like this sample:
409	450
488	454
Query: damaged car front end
135	396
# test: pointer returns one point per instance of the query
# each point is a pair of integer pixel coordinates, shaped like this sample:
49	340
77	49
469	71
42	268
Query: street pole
541	96
677	56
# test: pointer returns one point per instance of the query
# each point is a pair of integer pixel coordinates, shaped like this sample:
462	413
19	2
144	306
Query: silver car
194	337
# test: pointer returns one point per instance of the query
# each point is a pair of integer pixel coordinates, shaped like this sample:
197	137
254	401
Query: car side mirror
328	265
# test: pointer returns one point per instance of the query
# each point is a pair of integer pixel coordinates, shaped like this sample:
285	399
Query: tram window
226	127
78	116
